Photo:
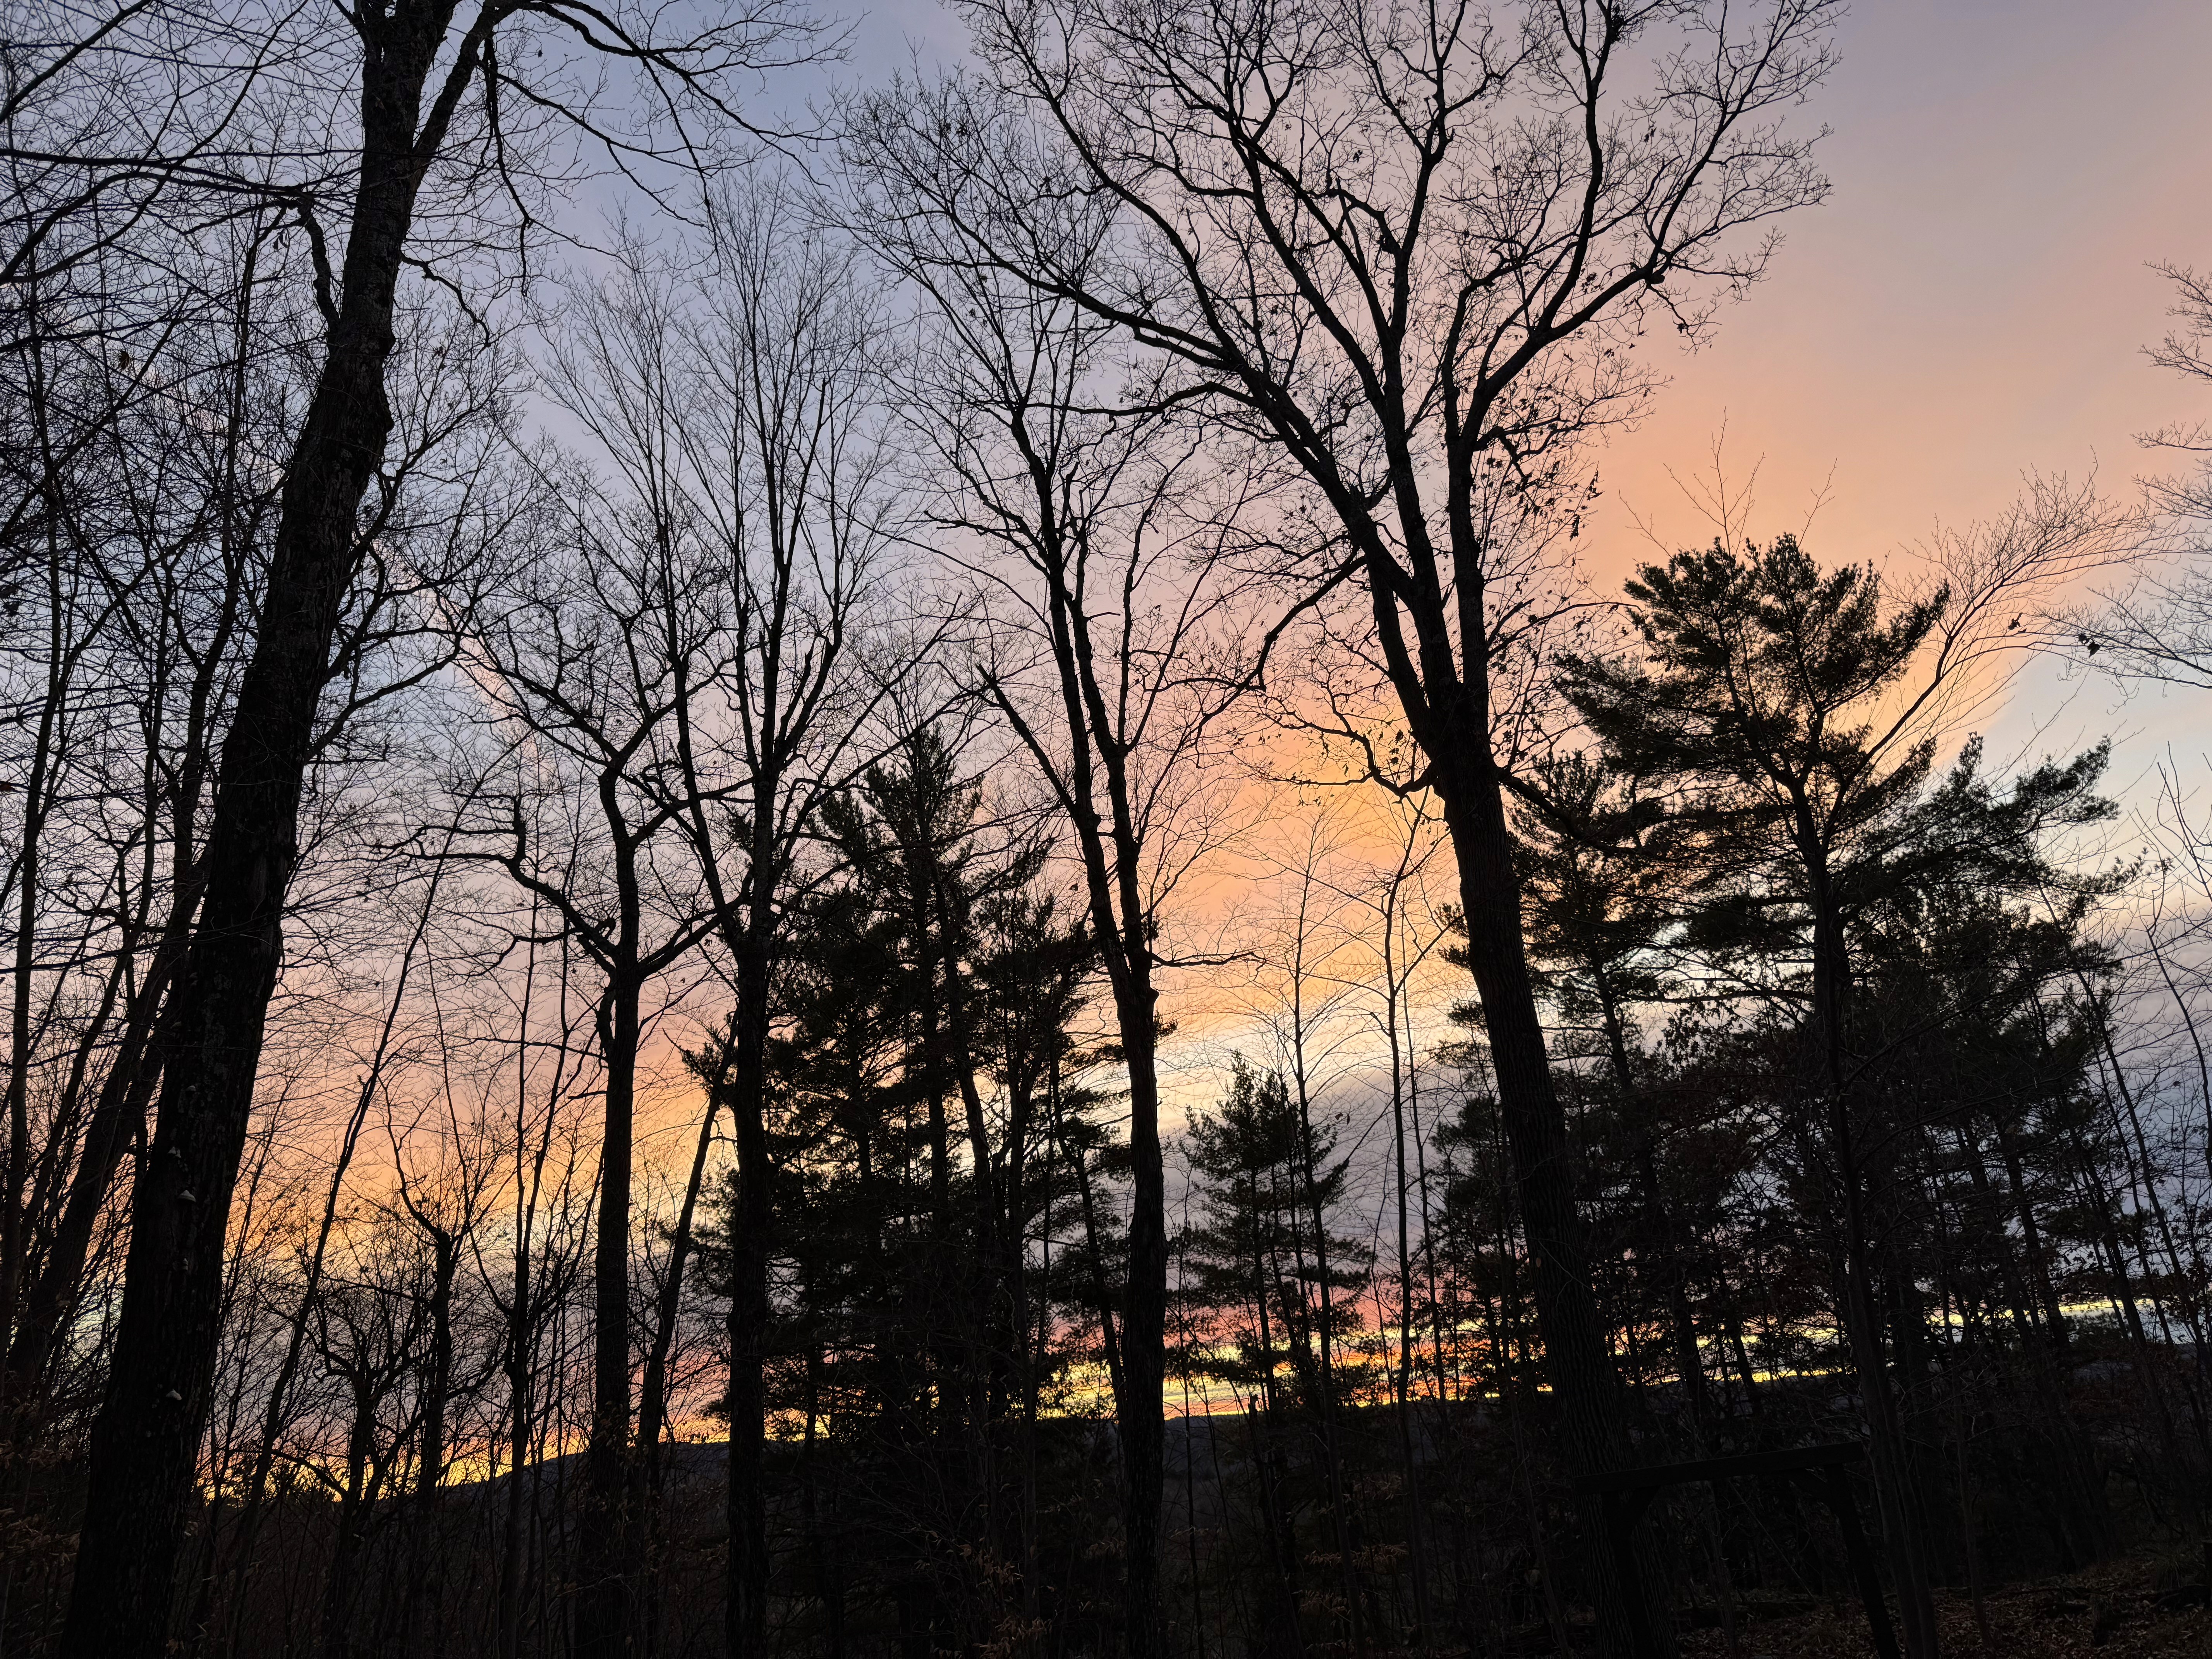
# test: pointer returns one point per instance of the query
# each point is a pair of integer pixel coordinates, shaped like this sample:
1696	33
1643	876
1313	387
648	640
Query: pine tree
1257	1261
1779	701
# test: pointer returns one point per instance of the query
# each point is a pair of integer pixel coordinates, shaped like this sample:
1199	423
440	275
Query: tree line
910	901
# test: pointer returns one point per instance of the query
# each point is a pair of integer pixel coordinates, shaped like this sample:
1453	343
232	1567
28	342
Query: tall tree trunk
1112	847
517	1357
1576	1359
607	1527
349	1535
1141	1409
426	1576
1903	1536
751	1240
144	1444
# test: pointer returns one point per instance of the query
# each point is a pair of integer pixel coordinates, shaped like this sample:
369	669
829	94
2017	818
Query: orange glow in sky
1974	298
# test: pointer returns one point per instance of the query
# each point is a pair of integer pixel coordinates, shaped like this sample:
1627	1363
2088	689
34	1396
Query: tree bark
606	1533
145	1441
1576	1359
752	1237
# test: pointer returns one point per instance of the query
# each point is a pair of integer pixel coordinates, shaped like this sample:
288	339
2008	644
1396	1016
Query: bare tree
1406	249
447	1203
740	415
2160	627
428	97
789	463
1400	944
543	1240
584	666
1108	600
133	540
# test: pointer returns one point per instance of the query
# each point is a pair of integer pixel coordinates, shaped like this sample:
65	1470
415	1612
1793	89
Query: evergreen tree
1254	1256
1779	703
1272	1286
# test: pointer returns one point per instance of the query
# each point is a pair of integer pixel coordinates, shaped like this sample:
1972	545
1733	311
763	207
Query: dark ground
2149	1606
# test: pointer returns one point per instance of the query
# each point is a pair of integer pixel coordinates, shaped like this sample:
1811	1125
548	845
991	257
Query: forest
852	867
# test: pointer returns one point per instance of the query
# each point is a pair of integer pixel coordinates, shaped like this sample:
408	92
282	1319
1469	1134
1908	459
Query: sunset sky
1974	297
1972	302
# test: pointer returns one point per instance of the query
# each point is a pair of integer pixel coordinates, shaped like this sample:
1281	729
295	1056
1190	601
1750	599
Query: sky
1974	298
1971	301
